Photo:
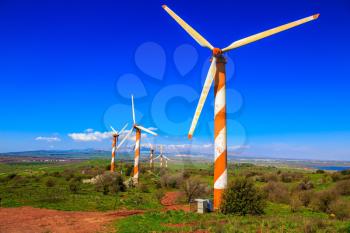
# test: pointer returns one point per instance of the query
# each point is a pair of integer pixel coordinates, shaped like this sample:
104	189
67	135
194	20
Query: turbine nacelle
217	52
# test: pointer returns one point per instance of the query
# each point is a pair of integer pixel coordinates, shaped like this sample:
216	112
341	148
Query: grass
28	188
179	221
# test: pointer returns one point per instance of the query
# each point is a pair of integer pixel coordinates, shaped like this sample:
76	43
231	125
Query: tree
242	198
194	188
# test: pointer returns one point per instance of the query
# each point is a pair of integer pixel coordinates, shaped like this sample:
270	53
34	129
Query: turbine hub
217	52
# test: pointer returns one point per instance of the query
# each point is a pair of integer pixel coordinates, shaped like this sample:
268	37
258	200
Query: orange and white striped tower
137	129
114	149
151	157
116	135
137	156
161	156
220	137
217	72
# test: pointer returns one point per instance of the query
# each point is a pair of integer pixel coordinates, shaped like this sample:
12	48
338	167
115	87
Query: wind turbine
138	128
161	157
116	135
217	72
151	156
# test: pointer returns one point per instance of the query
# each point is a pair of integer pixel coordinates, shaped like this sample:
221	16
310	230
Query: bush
306	184
335	176
143	188
129	169
324	200
295	203
171	181
11	176
74	186
267	178
242	197
306	197
343	187
56	174
345	172
277	192
288	177
194	188
341	209
319	171
159	194
50	182
110	182
68	174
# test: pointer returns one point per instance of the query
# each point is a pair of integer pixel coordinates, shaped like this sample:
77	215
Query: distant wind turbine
116	135
137	129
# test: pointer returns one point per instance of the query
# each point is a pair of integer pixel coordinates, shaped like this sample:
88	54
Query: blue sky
68	66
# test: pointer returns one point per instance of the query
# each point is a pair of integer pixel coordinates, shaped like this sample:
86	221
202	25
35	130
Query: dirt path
169	201
35	220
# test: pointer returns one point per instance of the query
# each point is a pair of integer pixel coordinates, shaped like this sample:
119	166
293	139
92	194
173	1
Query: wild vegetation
259	199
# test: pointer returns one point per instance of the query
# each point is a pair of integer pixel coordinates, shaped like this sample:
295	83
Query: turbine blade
270	32
115	131
156	157
146	130
203	97
122	130
126	137
193	33
133	109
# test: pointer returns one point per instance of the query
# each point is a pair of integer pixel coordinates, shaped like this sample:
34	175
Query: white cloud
90	135
48	139
89	130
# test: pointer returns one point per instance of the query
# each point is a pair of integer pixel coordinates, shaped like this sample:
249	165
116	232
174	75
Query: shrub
295	203
319	171
306	197
74	186
277	192
194	188
306	184
288	177
56	174
343	187
159	194
171	181
110	182
128	169
345	172
143	188
324	200
50	182
335	176
11	176
242	197
68	174
341	209
267	178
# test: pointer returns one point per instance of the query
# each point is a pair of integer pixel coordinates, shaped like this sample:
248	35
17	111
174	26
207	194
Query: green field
61	187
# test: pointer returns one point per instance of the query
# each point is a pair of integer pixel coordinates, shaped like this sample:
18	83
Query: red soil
35	220
169	201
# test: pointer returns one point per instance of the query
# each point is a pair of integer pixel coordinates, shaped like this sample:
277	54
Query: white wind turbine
161	157
217	73
116	135
138	128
